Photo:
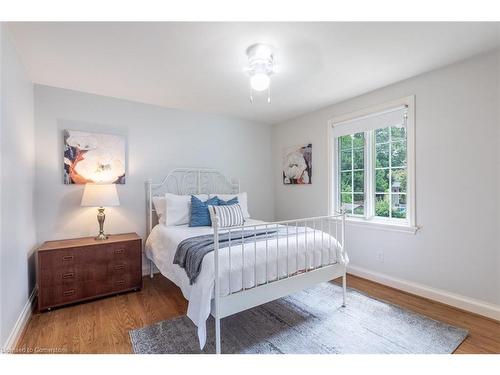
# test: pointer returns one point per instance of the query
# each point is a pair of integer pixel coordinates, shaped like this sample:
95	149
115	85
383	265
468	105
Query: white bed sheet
161	245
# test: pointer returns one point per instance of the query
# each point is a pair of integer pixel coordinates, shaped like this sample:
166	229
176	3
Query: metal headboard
185	181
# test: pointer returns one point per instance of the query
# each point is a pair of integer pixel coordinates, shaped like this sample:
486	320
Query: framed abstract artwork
297	165
93	158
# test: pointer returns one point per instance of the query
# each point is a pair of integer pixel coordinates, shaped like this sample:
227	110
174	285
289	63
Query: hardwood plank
102	326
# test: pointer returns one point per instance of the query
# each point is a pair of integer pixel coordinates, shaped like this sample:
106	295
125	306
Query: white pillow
160	207
242	201
229	216
178	208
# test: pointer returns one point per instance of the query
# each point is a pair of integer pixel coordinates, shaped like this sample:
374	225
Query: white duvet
162	243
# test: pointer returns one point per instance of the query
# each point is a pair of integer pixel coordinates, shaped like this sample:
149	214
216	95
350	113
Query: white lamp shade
100	195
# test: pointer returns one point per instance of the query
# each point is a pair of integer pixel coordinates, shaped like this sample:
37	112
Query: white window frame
405	225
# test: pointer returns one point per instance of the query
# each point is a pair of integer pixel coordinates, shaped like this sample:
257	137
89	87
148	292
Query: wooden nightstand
76	270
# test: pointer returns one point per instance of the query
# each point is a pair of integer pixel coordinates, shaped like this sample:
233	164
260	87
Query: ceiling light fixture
260	68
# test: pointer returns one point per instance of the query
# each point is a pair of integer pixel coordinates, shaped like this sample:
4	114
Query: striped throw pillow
229	216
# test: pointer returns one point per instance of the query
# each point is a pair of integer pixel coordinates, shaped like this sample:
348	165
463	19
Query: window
372	164
352	172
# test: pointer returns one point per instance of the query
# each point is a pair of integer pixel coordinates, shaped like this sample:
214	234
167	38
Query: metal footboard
315	252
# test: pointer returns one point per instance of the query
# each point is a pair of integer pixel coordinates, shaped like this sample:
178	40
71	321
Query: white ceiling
199	66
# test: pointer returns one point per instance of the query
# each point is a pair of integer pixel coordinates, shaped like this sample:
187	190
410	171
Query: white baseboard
456	300
21	322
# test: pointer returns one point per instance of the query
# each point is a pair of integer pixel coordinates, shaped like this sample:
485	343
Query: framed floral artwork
93	158
297	165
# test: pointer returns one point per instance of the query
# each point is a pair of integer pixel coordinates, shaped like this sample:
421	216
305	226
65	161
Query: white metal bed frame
209	181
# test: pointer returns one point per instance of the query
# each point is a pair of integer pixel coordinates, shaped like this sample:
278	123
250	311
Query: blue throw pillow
229	202
200	216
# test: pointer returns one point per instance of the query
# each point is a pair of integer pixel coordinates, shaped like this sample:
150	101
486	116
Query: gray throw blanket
191	251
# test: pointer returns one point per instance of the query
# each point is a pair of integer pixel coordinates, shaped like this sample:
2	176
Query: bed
259	262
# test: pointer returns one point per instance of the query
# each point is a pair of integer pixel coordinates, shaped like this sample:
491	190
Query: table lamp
100	195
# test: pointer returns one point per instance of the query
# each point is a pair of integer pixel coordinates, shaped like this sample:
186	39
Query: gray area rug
308	322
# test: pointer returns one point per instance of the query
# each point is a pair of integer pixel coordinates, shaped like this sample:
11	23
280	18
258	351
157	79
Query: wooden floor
102	326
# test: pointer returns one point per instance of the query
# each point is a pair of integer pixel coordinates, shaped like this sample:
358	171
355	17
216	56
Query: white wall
159	140
457	143
17	154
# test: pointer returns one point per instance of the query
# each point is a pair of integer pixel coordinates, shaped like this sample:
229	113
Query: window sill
381	225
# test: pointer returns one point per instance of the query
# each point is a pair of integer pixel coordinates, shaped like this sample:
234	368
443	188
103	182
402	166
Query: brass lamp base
101	236
100	218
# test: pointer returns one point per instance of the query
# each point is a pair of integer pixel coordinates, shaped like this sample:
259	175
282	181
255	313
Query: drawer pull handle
119	251
67	257
120	282
69	292
119	267
68	275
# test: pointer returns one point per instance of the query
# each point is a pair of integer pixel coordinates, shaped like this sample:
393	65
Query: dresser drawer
124	250
64	258
125	281
73	292
81	273
119	267
58	295
60	276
